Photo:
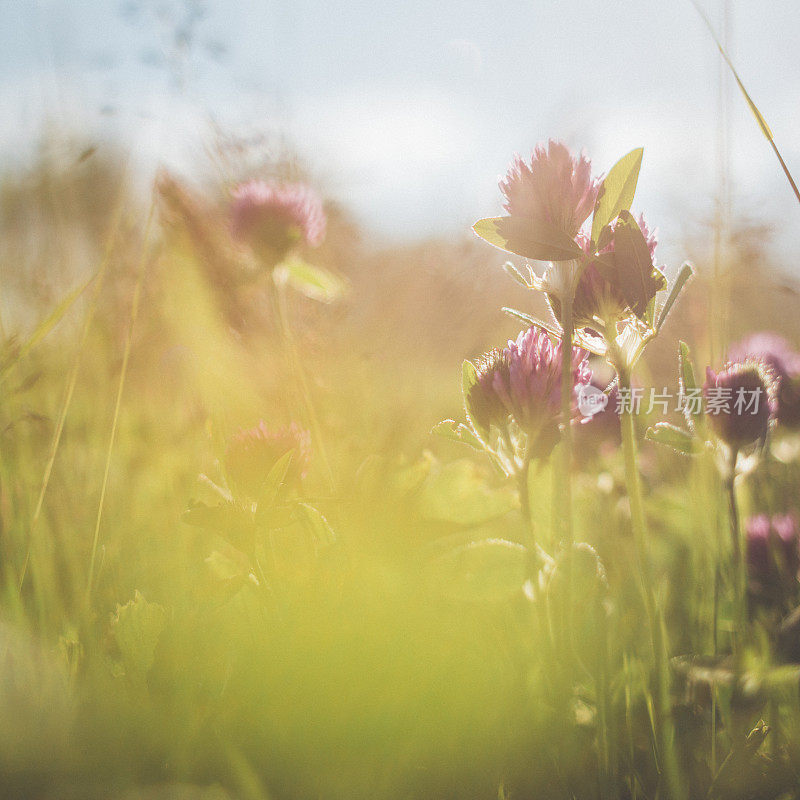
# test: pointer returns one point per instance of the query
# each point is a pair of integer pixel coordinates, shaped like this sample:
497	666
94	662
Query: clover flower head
484	407
555	188
529	386
613	286
784	362
253	452
740	402
274	217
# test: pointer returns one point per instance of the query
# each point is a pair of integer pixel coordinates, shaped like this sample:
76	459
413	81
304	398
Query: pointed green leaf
315	283
537	241
275	480
137	627
674	437
617	191
530	320
469	377
458	494
457	432
490	570
320	528
683	276
516	275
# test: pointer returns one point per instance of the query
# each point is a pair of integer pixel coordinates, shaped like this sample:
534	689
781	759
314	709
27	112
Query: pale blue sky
409	112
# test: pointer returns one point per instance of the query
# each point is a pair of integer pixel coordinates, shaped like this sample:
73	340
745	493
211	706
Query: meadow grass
380	630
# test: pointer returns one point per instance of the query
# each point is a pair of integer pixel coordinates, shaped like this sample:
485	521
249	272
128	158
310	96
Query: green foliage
617	191
540	242
137	627
682	278
315	283
489	570
672	436
458	493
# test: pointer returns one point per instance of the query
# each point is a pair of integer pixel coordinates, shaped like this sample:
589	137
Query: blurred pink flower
275	217
253	452
773	549
555	188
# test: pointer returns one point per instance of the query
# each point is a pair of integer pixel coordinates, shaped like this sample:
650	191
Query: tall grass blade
759	117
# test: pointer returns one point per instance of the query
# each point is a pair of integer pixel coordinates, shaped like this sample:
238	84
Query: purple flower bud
253	452
484	407
621	282
740	402
776	353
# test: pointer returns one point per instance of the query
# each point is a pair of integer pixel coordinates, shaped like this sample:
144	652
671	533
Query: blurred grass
400	662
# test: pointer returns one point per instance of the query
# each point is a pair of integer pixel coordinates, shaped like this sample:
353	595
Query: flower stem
739	566
566	418
638	522
303	389
658	646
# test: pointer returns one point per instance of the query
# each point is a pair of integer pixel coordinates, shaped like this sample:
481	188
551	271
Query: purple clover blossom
555	188
528	385
740	402
523	383
253	452
777	354
599	298
273	218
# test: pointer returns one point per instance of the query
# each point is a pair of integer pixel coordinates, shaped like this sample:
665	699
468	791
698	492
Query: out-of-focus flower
253	452
273	218
777	354
556	189
773	551
740	402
